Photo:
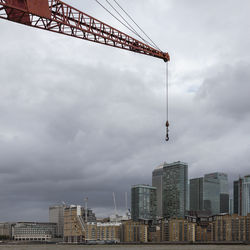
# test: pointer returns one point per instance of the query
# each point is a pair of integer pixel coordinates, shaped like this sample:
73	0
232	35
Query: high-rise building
216	194
196	194
56	216
246	195
211	195
224	192
157	175
143	202
175	190
238	196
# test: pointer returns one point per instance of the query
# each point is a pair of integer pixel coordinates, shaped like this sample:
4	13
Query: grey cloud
227	92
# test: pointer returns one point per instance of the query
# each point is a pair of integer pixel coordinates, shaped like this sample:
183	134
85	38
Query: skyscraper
175	189
246	195
157	175
216	193
237	193
211	196
143	202
210	193
196	194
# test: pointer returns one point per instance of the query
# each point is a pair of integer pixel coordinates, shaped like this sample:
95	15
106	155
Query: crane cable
167	103
113	15
128	26
131	29
137	25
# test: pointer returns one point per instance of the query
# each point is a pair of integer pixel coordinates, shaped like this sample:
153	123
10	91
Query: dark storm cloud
79	119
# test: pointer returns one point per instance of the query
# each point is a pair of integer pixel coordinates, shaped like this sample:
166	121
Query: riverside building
134	232
75	223
33	231
109	232
56	216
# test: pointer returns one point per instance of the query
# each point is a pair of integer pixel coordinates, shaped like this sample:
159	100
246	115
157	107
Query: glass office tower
246	195
216	193
143	202
196	194
211	195
157	176
238	199
175	190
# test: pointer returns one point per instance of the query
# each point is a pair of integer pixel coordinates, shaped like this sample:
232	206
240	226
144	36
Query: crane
59	17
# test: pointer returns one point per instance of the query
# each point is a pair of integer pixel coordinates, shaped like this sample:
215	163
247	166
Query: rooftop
143	186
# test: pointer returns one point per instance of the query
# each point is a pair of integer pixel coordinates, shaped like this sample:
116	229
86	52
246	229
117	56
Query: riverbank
8	243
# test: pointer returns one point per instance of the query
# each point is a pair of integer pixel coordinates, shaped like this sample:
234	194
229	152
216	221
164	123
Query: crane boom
57	16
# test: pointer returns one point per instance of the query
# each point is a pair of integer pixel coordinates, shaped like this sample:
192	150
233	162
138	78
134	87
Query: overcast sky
84	120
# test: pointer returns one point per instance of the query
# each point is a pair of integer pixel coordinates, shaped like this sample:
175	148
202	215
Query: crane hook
167	130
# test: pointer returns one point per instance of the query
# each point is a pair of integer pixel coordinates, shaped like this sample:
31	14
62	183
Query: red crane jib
57	16
37	7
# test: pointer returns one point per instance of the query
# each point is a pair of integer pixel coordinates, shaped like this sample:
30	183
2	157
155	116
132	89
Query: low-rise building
178	230
56	216
155	233
33	231
106	232
74	226
78	230
134	232
248	228
5	231
203	233
229	228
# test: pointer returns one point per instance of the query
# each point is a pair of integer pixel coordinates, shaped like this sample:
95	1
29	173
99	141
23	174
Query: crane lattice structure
57	16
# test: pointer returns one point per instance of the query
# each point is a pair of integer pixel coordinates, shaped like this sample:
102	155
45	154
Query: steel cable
136	24
132	28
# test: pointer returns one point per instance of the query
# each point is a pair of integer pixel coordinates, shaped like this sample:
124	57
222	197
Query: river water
141	247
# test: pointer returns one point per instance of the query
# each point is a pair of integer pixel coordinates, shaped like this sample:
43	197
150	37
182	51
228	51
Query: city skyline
83	120
198	198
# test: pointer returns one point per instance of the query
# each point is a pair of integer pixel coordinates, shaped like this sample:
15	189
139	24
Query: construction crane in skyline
59	17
